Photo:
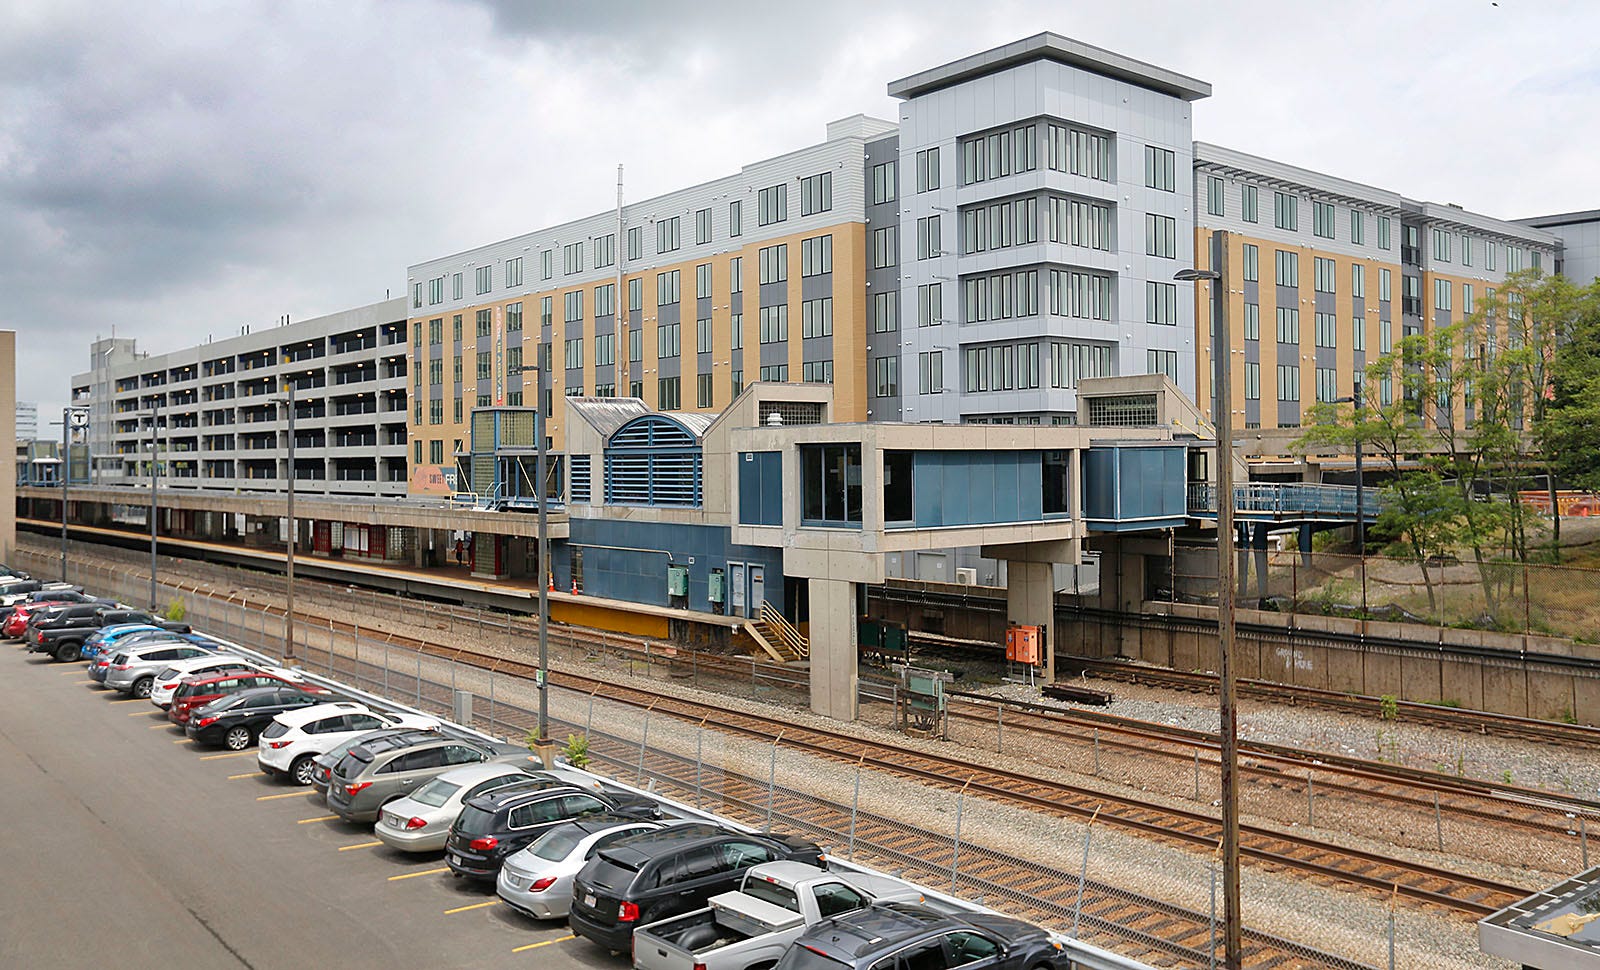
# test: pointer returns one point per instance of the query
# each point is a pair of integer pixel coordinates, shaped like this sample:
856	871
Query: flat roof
1561	219
1051	47
1557	928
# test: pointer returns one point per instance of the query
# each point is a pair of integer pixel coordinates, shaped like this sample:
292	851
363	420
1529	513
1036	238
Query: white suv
168	679
294	738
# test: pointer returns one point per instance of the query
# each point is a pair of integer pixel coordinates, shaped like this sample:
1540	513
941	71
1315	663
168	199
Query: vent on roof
790	412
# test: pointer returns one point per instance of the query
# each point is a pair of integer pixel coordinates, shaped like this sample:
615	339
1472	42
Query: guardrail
1288	500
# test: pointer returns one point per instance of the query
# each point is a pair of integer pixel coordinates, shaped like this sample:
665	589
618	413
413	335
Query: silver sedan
538	880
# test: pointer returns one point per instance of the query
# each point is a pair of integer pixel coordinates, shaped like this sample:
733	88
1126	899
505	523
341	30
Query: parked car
654	875
235	721
537	880
63	636
375	773
495	825
197	692
291	743
128	634
324	763
754	927
421	820
133	669
902	935
171	677
17	591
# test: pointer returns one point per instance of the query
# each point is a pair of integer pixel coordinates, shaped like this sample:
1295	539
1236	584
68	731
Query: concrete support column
489	556
1030	601
833	648
1259	546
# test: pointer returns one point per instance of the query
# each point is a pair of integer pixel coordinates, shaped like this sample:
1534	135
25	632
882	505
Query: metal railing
1287	500
791	638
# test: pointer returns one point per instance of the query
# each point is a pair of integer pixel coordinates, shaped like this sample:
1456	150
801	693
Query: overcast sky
175	170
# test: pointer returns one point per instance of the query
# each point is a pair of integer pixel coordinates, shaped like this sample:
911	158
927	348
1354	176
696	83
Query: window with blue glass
830	485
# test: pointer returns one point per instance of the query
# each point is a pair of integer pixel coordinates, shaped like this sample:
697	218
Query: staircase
777	637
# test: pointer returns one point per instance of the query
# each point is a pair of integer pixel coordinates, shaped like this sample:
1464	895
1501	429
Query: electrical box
1022	644
677	580
715	586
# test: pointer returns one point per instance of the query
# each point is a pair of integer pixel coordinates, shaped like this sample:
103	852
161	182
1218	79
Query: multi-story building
1580	240
217	412
1325	275
27	420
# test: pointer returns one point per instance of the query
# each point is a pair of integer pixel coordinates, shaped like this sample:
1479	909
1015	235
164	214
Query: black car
902	936
496	824
236	721
667	872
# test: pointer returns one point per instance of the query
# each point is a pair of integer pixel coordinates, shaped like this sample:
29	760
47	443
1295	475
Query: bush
176	611
577	750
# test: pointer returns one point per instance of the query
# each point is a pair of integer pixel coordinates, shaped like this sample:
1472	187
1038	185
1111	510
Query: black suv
236	721
653	875
493	825
902	936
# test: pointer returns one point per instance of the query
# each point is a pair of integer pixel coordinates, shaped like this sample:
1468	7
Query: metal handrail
787	633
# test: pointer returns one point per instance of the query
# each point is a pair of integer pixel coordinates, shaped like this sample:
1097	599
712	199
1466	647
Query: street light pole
288	614
1361	512
71	419
1228	728
544	567
154	488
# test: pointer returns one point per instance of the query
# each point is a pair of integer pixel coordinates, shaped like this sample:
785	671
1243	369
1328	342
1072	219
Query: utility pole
288	615
154	487
545	751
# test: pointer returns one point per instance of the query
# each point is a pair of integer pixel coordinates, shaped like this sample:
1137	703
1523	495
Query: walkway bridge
1286	502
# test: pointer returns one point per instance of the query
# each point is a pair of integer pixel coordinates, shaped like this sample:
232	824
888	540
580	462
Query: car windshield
225	703
435	793
558	843
805	958
475	821
166	673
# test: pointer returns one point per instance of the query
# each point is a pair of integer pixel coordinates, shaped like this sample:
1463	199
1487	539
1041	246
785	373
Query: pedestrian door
736	581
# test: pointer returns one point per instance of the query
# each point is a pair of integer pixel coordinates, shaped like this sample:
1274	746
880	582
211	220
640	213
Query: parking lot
128	846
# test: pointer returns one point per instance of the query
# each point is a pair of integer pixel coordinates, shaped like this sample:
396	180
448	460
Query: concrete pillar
833	648
1259	547
1305	545
1030	601
488	556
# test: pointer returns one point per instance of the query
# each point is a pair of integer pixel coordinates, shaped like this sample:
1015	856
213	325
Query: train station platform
1555	929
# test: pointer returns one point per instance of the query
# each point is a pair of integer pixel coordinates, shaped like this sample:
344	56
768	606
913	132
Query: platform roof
1555	929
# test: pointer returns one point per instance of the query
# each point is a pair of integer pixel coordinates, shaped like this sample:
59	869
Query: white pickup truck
751	928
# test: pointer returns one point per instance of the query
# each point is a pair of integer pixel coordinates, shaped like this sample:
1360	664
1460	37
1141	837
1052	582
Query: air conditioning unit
967	577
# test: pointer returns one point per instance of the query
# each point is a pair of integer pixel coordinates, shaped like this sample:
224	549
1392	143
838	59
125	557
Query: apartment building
1579	233
217	413
1325	275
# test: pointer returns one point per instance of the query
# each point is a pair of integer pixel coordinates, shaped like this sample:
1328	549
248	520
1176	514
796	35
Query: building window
547	264
1488	255
605	300
772	204
1080	223
635	293
456	290
668	237
669	340
1441	294
930	372
1252	262
573	306
1323	271
1288	325
1159	169
1161	303
736	275
436	372
1252	381
1327	384
1288	382
999	225
736	382
436	451
416	453
816	256
817	372
1466	298
572	258
605	349
1214	195
1466	250
455	369
1383	232
436	290
816	194
886	311
1160	235
1322	214
1288	268
830	484
1383	285
1358	334
635	242
774	263
1286	211
885	376
1252	321
669	394
702	281
416	294
930	304
455	328
999	153
635	348
736	218
1326	330
1358	280
1072	362
485	369
883	182
702	391
435	331
1162	362
885	243
605	250
1249	203
513	274
485	322
702	335
514	317
1074	293
702	226
456	410
1358	228
774	324
1079	152
574	350
736	330
669	288
816	318
776	373
1000	296
1385	338
1441	245
928	237
927	169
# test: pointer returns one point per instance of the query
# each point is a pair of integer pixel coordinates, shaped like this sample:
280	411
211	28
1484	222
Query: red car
196	692
17	620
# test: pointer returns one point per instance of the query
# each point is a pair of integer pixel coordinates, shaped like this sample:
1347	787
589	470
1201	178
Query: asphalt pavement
125	845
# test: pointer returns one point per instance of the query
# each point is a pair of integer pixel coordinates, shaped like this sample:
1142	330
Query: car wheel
141	687
302	769
67	651
238	738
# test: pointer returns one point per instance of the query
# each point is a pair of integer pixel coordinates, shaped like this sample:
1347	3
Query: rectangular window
1214	195
1358	280
736	380
1252	321
1466	250
885	246
605	300
1080	223
1488	254
1071	362
702	391
702	280
1383	285
636	293
436	290
547	264
669	288
1326	330
886	311
485	365
416	294
930	372
1358	228
883	182
928	237
817	372
1514	259
1286	211
1288	325
1324	270
736	217
436	371
1159	169
702	226
635	242
772	204
1160	235
513	274
571	258
1383	232
1322	215
669	340
436	449
1161	303
1288	268
669	394
774	263
605	349
1162	362
1358	334
1288	382
1327	384
816	318
514	317
927	169
485	322
605	250
485	279
1441	245
816	194
1385	338
702	336
574	351
455	327
775	372
435	331
773	324
1252	381
1249	203
668	235
930	305
1252	263
456	288
816	256
455	369
635	349
736	275
736	330
1079	152
572	304
1441	294
1079	294
1466	298
885	376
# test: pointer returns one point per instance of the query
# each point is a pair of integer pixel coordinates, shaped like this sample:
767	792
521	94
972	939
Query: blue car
124	633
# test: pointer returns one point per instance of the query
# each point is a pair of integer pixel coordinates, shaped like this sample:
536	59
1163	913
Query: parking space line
248	774
319	818
358	845
130	700
270	798
180	740
157	727
69	673
230	754
413	875
463	909
91	683
535	946
140	714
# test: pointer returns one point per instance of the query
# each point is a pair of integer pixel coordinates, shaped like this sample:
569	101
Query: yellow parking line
535	946
180	740
463	909
269	798
319	818
91	683
248	774
130	700
413	875
157	727
358	845
69	673
140	714
230	754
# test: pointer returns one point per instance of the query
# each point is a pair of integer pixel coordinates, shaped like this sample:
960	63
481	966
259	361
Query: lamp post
540	472
1361	482
155	487
288	613
1228	728
72	419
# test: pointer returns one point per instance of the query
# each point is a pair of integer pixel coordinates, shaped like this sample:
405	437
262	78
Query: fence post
772	774
1083	872
699	743
955	847
1583	839
1310	789
999	728
1097	752
855	803
1211	877
644	742
588	726
1197	774
491	700
1438	823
